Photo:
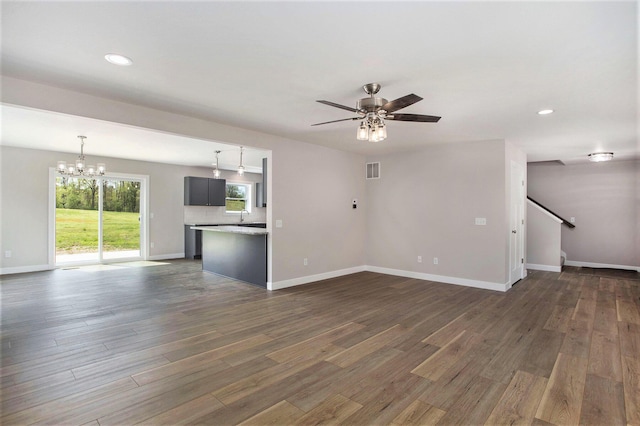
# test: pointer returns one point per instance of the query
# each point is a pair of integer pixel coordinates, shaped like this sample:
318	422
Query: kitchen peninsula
237	252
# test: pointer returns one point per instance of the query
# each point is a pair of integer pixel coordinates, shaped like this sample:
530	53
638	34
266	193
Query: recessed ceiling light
545	111
116	59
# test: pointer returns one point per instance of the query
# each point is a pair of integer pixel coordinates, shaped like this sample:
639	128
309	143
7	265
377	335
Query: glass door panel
120	218
77	220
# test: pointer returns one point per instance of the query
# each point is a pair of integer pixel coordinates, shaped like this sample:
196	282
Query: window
238	197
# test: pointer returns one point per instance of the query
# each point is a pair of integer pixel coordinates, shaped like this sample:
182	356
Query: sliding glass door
97	219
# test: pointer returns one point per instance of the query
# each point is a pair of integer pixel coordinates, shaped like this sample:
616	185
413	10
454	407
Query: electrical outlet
305	261
435	260
7	253
419	259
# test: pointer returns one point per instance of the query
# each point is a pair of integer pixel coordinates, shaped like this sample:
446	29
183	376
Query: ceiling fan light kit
373	112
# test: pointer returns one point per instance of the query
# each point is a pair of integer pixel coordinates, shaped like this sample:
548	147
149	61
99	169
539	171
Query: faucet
242	218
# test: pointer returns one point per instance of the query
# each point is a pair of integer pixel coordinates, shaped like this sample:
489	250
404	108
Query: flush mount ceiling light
80	168
545	111
216	171
117	59
600	156
241	167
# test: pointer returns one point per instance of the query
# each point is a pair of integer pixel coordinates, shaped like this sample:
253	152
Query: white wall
543	240
603	197
425	204
313	204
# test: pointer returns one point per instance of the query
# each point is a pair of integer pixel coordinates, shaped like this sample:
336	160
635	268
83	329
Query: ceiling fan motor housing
370	104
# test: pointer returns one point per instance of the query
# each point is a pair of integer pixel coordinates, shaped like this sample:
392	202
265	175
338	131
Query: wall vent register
373	170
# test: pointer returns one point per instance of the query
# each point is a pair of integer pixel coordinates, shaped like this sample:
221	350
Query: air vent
373	170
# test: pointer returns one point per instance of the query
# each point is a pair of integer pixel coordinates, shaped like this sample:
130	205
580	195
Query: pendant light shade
241	167
216	171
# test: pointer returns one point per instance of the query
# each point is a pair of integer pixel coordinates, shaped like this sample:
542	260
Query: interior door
516	240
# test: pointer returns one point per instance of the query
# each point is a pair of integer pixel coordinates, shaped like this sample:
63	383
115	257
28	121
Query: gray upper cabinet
199	191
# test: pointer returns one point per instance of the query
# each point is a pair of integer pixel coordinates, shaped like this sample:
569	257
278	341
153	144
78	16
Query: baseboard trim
167	256
441	278
547	268
278	285
601	265
25	269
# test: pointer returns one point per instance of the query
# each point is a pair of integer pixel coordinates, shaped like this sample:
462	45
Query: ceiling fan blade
335	121
333	104
414	117
400	103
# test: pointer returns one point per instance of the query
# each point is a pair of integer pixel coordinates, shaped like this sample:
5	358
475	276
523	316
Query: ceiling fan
374	111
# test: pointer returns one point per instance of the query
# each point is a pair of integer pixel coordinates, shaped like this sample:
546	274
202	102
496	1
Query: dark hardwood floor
164	343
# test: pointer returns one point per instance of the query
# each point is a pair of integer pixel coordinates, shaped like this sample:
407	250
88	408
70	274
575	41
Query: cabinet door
196	191
217	192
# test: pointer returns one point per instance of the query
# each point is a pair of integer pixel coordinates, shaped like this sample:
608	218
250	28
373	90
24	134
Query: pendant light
241	167
80	168
216	171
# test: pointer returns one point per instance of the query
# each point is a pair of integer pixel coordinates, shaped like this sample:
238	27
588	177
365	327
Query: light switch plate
278	223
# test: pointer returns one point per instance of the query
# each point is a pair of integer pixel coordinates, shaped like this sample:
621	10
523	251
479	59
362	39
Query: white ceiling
485	67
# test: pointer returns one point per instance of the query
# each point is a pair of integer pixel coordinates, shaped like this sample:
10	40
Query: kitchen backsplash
203	215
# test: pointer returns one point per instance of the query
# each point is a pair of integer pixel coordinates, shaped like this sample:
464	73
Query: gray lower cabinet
192	243
199	191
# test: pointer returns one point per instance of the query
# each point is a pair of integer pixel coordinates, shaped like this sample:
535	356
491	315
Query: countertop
233	229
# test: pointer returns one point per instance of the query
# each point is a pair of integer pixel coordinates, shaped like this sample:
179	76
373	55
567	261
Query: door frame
517	181
144	222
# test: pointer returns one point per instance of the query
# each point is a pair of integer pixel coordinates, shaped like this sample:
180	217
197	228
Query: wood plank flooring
164	343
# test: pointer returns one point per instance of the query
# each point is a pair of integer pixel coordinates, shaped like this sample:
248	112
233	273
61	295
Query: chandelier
80	168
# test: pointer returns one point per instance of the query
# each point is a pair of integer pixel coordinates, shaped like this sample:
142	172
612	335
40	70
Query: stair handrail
564	221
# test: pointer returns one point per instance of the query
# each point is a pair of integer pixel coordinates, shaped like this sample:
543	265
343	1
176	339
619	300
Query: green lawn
77	231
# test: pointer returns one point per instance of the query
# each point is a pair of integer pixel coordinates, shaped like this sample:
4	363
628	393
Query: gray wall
426	202
603	197
314	206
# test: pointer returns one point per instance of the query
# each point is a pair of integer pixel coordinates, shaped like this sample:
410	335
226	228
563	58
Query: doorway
99	219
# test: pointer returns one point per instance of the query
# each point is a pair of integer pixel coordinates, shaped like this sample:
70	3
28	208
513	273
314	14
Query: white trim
601	265
314	278
51	232
397	272
23	269
167	256
548	268
441	278
554	217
